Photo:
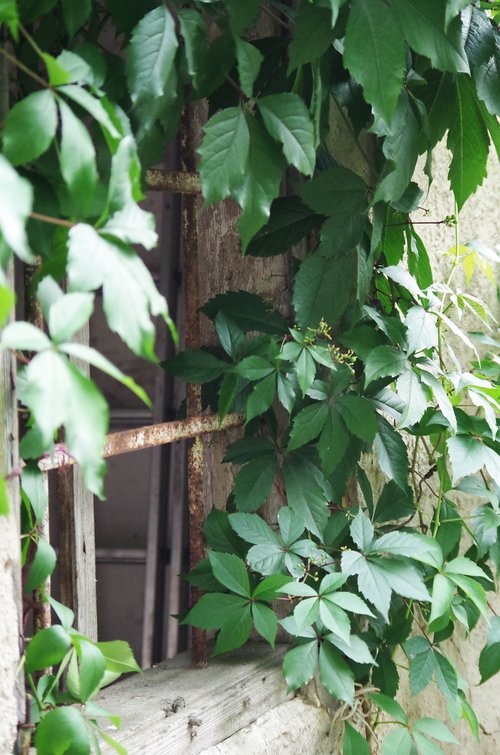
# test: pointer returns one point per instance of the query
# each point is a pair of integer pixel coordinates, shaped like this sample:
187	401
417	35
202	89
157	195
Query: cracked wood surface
172	708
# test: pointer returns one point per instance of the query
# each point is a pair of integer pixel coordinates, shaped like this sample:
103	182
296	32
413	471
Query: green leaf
307	424
400	147
289	222
318	276
224	154
48	647
265	622
261	397
421	329
394	503
65	615
93	106
254	368
130	295
354	743
436	729
196	366
312	35
68	314
305	495
231	572
77	159
287	120
118	656
93	357
62	730
359	415
42	565
412	545
92	666
195	33
462	565
443	591
335	674
270	587
75	15
356	649
473	590
468	141
260	184
489	661
214	609
372	583
333	617
248	311
350	602
361	530
249	60
241	14
254	483
32	485
234	633
9	16
385	676
391	453
384	361
397	742
488	82
373	34
421	669
291	525
389	706
333	441
468	455
423	24
248	449
253	529
338	193
305	370
266	558
300	665
23	336
30	127
58	394
219	533
446	676
150	56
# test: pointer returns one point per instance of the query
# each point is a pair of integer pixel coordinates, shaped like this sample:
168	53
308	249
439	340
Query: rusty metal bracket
148	436
176	181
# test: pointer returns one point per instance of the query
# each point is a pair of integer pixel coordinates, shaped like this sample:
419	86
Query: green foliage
364	365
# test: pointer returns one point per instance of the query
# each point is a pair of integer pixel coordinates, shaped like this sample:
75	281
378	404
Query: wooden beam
172	708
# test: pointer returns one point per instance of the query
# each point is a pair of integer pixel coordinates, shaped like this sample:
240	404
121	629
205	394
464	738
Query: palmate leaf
151	55
322	289
17	200
391	453
130	295
288	121
311	36
468	141
77	159
375	54
62	730
260	185
289	222
30	127
58	394
224	154
425	30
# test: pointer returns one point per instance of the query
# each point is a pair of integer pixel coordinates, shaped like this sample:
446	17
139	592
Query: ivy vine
367	365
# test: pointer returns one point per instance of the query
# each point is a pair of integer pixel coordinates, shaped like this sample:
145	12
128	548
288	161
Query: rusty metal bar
196	495
149	436
176	181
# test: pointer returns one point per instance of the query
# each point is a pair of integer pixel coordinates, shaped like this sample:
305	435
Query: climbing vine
367	364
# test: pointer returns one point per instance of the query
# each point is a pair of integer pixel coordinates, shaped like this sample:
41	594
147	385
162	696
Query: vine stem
24	68
51	220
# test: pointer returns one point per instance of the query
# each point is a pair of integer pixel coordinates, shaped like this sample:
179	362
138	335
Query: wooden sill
172	708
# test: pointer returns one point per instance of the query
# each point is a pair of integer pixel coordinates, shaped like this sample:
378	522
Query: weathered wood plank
77	537
173	708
